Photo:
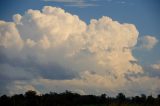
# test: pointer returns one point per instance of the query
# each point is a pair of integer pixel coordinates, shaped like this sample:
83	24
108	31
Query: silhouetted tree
150	100
68	98
158	99
143	99
18	100
121	98
31	98
5	101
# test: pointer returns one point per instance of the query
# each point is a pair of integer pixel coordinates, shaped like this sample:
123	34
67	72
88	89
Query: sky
85	46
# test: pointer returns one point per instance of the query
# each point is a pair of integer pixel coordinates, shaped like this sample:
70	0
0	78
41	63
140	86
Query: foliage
30	98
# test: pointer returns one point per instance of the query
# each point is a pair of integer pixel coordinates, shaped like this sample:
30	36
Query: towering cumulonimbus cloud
56	50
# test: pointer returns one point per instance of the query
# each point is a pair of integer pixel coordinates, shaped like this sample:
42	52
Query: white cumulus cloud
62	51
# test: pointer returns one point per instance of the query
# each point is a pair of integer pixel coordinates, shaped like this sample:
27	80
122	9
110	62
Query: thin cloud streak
75	3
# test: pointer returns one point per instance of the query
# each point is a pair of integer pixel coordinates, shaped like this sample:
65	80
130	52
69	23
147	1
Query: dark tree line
30	98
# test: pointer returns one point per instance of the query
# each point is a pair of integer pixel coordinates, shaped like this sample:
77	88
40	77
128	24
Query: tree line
68	98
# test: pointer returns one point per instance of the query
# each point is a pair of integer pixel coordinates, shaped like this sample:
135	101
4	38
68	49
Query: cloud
148	42
120	2
75	3
58	51
65	0
91	84
9	36
18	87
156	66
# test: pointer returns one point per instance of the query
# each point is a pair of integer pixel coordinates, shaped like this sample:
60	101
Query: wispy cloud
65	1
156	66
75	3
148	42
120	2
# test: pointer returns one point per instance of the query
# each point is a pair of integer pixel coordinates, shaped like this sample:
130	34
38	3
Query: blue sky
44	65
